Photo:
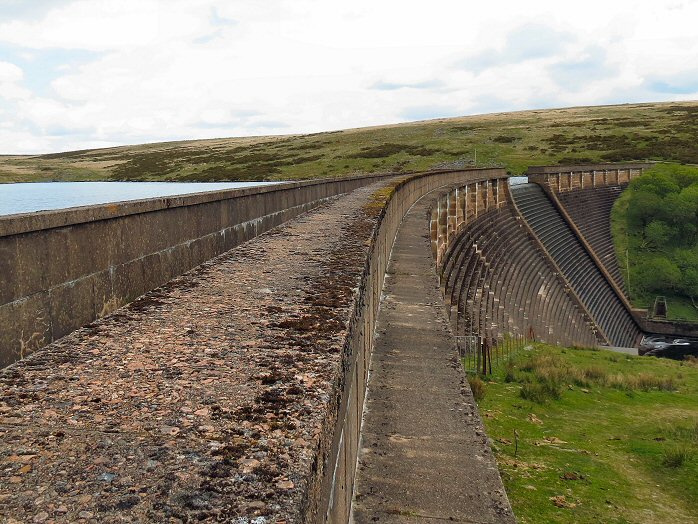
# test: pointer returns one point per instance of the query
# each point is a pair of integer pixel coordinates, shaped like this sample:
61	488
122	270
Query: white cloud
99	25
177	69
10	72
10	78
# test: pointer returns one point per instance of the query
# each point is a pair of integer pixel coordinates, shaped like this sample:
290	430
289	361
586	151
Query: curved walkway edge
424	455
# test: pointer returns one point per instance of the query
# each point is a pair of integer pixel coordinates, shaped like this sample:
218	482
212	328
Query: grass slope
666	131
611	439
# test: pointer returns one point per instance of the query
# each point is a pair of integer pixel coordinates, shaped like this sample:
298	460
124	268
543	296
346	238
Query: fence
482	354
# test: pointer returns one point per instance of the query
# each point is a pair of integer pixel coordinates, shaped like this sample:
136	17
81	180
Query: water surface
42	196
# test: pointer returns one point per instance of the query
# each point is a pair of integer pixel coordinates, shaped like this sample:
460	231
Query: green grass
666	131
617	445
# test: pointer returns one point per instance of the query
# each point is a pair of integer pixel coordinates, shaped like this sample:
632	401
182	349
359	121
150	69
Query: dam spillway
577	267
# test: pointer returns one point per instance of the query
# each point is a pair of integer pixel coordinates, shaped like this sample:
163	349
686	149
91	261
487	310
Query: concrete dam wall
60	270
239	386
590	210
605	305
525	269
498	283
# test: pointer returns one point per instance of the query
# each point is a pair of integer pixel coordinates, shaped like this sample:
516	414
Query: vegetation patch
614	442
477	386
385	150
655	230
504	139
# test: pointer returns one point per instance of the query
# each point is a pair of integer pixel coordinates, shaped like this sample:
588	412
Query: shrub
691	360
541	393
675	456
595	373
689	432
509	371
590	376
552	375
539	361
619	381
477	386
647	382
579	378
548	368
641	381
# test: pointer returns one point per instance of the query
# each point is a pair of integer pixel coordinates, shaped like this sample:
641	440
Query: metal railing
482	354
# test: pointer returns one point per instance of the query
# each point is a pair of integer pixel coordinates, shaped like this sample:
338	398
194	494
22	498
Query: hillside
663	131
589	436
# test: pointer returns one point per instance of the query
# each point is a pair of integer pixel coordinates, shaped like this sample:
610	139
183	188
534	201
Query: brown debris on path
205	400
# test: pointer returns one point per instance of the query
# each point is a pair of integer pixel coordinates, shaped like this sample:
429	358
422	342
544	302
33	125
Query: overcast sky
91	73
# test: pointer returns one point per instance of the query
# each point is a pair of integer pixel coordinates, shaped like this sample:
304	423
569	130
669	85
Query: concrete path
424	455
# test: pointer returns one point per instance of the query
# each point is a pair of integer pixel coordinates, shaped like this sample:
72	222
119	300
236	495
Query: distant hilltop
578	135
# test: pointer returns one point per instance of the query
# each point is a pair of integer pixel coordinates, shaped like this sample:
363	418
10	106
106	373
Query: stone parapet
233	393
560	179
60	270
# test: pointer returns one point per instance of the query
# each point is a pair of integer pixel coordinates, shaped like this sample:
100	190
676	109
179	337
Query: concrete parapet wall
560	179
334	503
60	270
63	261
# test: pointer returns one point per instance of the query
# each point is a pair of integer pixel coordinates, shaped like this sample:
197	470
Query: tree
659	233
689	283
686	258
657	182
684	176
643	207
662	215
690	196
658	275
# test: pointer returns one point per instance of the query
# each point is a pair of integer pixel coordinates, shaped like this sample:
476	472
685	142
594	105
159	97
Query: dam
250	355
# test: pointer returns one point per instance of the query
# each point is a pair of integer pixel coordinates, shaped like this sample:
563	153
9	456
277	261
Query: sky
78	74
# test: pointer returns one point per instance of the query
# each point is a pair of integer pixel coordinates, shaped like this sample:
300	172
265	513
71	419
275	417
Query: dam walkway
234	392
423	454
205	400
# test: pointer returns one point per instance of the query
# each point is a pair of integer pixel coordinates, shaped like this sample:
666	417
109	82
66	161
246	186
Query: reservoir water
42	196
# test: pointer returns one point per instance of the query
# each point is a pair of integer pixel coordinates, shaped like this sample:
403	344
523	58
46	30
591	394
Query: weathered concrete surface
233	393
60	270
424	456
676	328
562	178
211	398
